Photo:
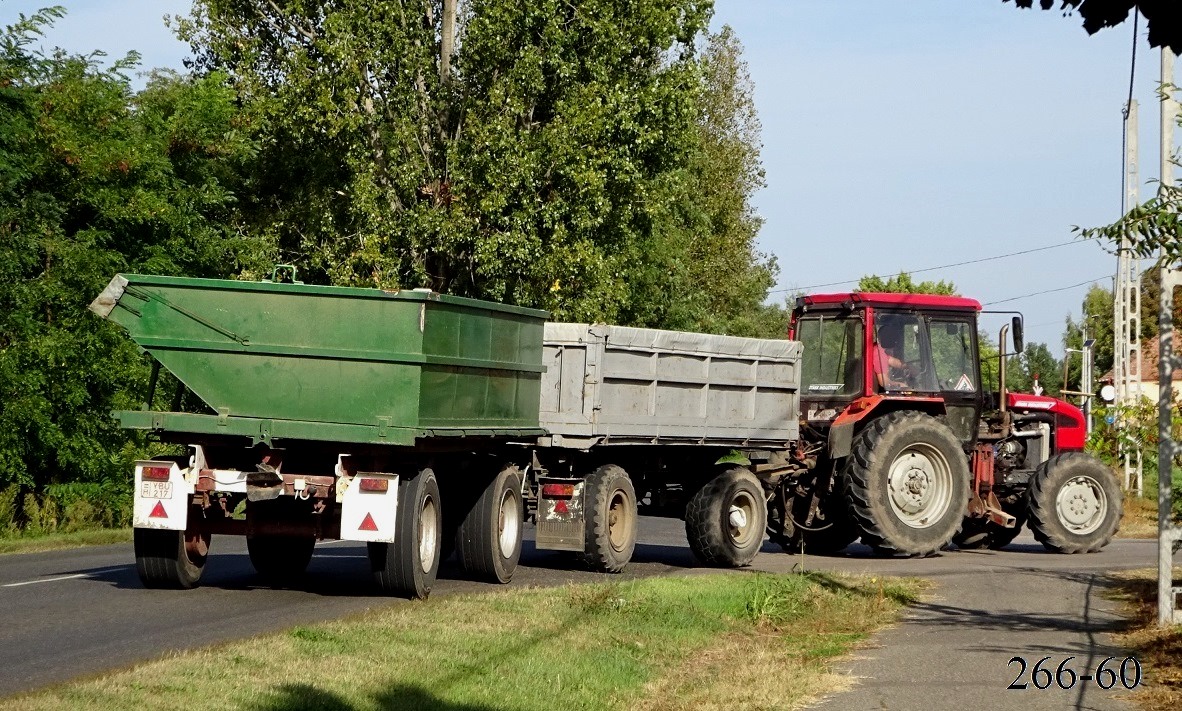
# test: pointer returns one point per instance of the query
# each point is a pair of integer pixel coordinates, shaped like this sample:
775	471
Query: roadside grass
37	542
702	641
1139	519
1159	650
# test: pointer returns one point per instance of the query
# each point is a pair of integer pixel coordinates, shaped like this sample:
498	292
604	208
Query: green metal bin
333	363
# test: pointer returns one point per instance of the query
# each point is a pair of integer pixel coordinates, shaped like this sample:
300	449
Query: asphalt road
79	612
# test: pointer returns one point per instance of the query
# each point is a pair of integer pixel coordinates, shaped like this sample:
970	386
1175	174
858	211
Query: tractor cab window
952	355
901	360
832	366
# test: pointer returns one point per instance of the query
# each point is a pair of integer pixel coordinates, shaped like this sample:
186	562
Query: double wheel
485	533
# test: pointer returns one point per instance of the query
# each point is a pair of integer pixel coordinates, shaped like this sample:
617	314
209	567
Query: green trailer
424	424
280	361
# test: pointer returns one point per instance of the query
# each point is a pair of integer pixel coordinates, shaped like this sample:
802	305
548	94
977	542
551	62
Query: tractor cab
883	352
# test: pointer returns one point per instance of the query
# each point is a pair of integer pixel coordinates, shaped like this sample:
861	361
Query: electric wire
1046	291
932	269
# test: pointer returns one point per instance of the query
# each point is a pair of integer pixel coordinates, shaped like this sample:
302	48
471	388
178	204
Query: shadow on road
305	697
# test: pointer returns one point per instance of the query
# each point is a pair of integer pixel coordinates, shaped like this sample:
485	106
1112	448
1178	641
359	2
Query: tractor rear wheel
1074	503
907	482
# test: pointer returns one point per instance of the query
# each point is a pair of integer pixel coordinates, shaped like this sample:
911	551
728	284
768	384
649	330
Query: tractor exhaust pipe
1001	369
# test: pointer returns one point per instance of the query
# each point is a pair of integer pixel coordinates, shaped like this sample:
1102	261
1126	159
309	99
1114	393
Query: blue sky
897	135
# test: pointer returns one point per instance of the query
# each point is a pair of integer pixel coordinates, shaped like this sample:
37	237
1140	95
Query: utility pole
1167	533
1126	367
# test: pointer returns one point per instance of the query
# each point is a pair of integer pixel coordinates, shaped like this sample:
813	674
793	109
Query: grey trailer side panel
617	385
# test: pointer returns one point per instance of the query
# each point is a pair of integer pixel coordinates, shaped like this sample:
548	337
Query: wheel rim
1081	505
508	520
920	485
619	520
428	534
741	518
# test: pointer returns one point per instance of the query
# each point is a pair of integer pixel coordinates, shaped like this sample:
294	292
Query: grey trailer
665	422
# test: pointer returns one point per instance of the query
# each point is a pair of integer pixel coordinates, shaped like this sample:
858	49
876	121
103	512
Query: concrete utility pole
1167	532
1126	367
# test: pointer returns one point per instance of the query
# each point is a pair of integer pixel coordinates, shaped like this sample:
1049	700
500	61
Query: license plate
156	489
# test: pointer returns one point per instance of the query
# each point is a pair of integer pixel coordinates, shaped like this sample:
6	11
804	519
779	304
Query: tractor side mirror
1016	329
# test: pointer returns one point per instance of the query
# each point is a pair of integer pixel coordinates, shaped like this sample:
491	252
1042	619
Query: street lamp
1085	378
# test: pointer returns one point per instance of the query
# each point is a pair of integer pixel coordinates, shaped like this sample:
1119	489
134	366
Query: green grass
720	641
33	543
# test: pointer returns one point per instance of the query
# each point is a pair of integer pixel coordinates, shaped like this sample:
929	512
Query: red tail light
558	490
155	473
375	484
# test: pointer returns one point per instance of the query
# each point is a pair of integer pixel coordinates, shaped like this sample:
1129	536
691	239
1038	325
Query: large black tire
907	482
725	520
408	566
609	519
163	560
832	534
1074	504
280	559
489	538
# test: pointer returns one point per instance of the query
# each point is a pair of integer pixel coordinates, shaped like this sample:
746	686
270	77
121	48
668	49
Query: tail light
155	473
554	491
368	484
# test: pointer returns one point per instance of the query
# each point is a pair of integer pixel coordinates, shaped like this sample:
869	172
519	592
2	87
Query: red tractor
903	447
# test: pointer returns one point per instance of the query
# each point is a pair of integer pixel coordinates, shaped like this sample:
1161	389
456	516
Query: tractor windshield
832	365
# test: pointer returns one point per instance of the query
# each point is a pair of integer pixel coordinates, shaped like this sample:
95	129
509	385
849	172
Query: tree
550	164
727	279
1163	17
1097	315
1035	360
904	284
94	180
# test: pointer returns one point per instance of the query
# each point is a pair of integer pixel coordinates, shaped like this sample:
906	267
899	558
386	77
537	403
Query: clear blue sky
897	135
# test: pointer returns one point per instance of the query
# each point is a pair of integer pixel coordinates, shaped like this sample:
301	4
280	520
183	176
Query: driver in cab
888	358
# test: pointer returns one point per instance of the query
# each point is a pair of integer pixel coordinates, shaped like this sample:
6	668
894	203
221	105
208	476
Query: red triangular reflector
367	524
159	511
560	507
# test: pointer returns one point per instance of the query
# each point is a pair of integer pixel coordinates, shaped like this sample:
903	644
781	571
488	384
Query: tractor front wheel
907	481
1074	504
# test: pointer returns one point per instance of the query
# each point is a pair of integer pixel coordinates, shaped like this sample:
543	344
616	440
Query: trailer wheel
907	481
280	559
726	519
489	538
409	565
170	559
1074	504
610	519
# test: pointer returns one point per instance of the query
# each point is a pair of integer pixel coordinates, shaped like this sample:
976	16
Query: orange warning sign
367	524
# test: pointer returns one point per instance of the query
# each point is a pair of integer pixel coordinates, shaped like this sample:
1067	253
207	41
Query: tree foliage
581	158
905	284
94	180
1163	17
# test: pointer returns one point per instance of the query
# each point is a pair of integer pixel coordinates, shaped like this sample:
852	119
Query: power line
1045	291
932	269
